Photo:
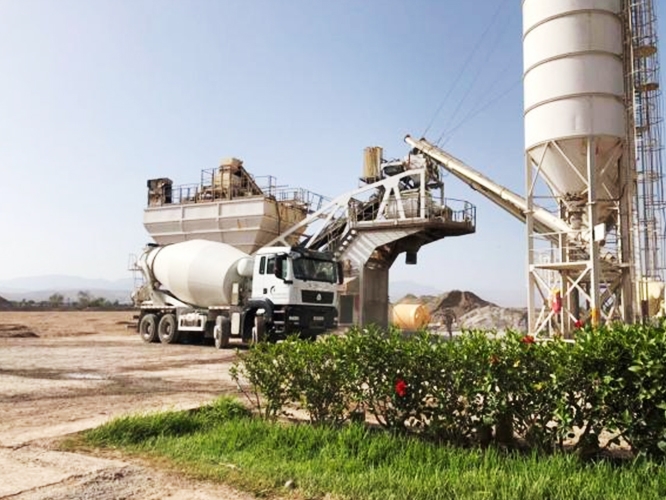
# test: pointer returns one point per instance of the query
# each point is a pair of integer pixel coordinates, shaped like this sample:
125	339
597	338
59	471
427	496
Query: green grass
224	443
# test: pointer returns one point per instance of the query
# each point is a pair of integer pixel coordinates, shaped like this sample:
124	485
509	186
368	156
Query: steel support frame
577	265
342	207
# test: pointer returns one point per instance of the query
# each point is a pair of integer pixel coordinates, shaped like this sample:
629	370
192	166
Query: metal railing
449	210
460	211
186	193
213	188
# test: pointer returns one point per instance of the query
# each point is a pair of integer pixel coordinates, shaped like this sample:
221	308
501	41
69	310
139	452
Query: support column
374	295
594	263
529	224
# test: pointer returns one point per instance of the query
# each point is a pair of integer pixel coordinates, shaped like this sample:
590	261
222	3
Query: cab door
264	268
266	284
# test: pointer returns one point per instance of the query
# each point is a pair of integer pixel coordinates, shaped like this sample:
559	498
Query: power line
487	91
477	110
475	78
469	58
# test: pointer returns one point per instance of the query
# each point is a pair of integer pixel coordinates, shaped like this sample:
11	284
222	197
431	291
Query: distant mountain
398	289
40	288
62	282
122	296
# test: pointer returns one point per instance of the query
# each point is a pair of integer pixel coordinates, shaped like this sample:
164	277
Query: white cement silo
574	91
575	136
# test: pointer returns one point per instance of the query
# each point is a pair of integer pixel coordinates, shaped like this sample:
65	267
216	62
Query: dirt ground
63	372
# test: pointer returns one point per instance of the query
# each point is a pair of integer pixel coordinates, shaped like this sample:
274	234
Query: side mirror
341	277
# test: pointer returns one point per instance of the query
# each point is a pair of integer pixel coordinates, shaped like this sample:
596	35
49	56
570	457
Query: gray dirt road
51	386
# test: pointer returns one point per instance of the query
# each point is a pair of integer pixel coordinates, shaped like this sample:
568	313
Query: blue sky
98	96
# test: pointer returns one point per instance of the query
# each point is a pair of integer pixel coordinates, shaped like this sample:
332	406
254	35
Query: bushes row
476	389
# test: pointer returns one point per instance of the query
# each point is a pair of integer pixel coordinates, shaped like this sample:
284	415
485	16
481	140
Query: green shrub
325	378
645	427
477	389
622	374
383	363
266	370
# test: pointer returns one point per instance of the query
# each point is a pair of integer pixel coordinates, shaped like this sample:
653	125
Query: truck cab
298	289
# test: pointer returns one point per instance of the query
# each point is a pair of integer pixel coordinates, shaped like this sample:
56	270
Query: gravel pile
469	311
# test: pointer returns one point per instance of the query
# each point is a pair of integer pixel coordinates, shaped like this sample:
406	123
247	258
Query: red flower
578	324
527	339
401	388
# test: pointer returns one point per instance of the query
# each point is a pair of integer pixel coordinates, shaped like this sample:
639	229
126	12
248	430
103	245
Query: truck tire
259	329
222	333
148	328
167	329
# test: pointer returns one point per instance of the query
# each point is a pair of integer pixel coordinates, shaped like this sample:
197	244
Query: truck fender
249	311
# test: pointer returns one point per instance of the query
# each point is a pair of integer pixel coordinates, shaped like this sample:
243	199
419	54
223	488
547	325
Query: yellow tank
410	317
372	159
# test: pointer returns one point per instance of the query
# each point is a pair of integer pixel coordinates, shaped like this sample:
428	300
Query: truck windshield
315	270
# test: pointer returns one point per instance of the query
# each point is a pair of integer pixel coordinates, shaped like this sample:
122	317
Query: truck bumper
309	320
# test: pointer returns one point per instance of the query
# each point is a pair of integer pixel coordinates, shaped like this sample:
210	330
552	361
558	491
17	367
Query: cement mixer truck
211	289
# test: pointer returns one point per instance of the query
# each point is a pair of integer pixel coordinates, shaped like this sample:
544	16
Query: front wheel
148	328
167	329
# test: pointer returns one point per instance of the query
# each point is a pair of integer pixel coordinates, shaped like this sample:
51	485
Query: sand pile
495	318
4	303
456	303
13	330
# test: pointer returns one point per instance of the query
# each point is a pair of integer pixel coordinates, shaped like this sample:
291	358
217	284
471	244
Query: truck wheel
222	333
148	328
259	329
168	329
